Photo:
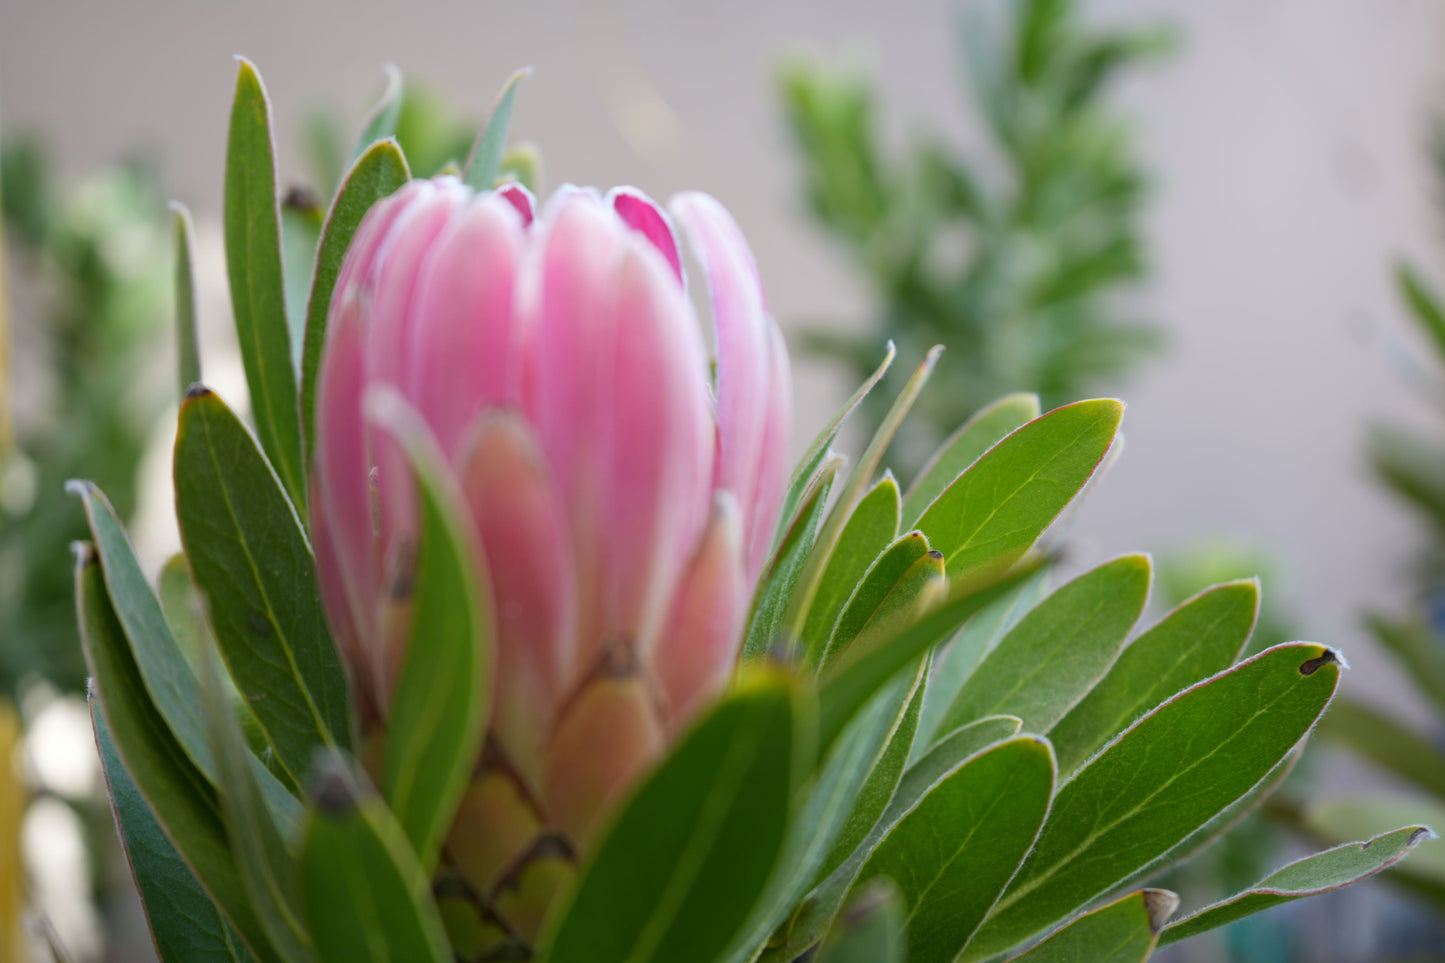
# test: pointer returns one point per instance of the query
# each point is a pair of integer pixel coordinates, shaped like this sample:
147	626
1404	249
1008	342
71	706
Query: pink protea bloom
624	505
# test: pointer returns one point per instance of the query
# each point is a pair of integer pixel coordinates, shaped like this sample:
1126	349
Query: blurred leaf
997	509
955	851
974	437
301	219
1166	776
179	796
1059	650
184	924
688	856
1335	820
870	529
1424	304
1124	931
780	578
188	357
1199	638
378	173
871	929
253	564
1414	468
522	164
1391	745
1321	873
442	695
481	170
367	897
1420	652
258	292
381	122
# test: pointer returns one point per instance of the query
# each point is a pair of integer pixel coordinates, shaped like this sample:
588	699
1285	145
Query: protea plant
507	635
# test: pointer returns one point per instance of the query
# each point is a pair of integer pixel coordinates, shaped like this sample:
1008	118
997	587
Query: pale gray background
1286	138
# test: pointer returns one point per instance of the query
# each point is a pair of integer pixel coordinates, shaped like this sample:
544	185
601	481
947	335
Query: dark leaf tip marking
198	390
331	788
1310	666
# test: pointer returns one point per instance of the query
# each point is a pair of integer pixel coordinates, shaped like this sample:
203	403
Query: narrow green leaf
481	170
974	437
301	221
1059	650
169	680
188	352
811	462
848	685
780	580
859	479
1202	636
998	508
178	795
379	172
883	774
185	925
870	530
956	661
887	574
871	929
1412	466
1391	745
687	858
1321	873
258	289
1424	305
1161	780
1124	931
442	695
268	870
1339	820
955	851
184	610
252	562
1419	650
381	122
367	897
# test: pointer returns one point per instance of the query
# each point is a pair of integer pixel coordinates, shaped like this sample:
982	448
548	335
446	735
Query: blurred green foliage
90	290
1014	259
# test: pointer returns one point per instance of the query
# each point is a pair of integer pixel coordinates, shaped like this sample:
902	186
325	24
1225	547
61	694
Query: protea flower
624	506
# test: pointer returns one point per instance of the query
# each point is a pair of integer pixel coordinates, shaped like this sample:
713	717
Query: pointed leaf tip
1160	904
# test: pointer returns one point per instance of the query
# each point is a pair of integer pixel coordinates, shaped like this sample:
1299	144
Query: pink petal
521	199
522	527
772	478
700	644
639	212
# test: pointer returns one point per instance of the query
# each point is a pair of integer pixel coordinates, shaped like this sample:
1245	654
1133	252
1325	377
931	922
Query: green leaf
1424	305
870	529
188	354
1058	650
178	795
379	172
1124	931
1314	875
381	122
1420	652
442	695
811	462
874	595
367	897
1413	467
974	437
780	580
1202	636
1160	781
956	661
848	685
522	164
258	290
184	610
996	510
169	680
884	772
301	221
955	851
1391	745
1339	820
871	929
688	856
251	560
269	871
853	490
481	170
185	925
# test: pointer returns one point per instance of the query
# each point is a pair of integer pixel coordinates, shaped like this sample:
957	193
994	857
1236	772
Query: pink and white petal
657	431
358	269
700	644
641	213
521	200
740	319
522	528
772	479
460	331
